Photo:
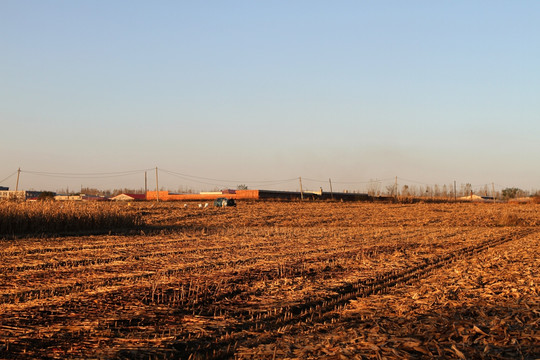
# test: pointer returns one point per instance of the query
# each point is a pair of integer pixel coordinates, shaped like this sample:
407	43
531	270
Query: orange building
260	195
229	194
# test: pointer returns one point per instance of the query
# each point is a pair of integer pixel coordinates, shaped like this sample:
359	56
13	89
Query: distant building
472	197
68	198
32	195
4	188
129	197
36	195
259	195
13	195
93	198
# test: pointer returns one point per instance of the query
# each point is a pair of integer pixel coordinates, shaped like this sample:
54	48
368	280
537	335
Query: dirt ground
281	280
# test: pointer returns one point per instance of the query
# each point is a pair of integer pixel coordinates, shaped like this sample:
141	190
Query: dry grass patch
37	218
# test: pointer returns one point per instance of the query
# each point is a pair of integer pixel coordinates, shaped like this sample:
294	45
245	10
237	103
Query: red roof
137	196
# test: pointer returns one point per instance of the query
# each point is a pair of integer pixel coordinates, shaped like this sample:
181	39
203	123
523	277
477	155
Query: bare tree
405	190
374	187
444	191
466	189
391	190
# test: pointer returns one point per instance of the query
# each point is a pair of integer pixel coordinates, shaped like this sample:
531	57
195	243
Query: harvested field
281	280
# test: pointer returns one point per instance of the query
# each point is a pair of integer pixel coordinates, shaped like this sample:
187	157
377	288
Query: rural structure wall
257	195
237	195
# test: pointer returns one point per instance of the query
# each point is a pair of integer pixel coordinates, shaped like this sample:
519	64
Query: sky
220	93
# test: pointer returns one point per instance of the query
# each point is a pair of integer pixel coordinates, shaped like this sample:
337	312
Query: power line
1	181
227	181
213	181
363	182
315	180
192	180
277	183
413	181
85	175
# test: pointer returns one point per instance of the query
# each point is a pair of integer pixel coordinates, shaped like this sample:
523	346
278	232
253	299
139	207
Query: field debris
281	281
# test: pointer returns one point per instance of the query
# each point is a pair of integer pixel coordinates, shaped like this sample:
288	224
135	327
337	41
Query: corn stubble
281	280
49	217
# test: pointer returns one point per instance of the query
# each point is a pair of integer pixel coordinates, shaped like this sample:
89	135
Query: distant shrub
46	196
512	193
509	219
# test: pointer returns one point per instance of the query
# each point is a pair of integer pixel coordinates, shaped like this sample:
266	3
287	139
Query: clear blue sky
248	91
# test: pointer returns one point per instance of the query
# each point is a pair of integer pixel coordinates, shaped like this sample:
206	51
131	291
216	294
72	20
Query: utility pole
395	186
301	191
18	175
331	191
455	191
145	183
493	191
157	186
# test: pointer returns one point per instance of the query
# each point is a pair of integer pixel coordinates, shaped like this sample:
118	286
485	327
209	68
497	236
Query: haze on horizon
434	92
